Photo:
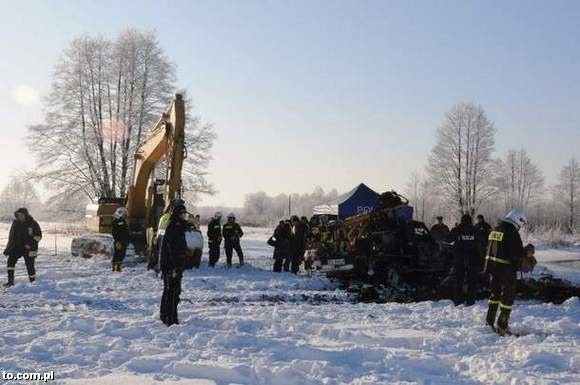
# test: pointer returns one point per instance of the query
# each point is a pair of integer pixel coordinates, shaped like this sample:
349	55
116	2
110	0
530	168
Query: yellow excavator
146	196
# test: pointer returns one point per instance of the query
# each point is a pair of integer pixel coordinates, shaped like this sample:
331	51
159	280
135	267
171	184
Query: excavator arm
166	139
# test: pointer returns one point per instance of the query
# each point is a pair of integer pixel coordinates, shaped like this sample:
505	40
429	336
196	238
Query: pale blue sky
329	93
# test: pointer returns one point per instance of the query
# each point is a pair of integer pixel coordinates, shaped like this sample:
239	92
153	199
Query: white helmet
218	214
231	215
121	212
516	217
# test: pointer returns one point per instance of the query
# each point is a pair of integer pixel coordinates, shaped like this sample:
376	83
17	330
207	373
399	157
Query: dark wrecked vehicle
384	246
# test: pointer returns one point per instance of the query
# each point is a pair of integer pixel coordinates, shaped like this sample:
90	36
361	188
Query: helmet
218	214
231	215
121	212
516	217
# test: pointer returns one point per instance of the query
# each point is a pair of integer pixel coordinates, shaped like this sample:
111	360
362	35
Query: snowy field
251	326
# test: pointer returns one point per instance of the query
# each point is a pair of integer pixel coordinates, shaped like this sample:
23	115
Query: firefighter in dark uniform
25	234
121	237
172	261
504	253
466	261
232	232
440	231
281	243
297	246
482	230
214	238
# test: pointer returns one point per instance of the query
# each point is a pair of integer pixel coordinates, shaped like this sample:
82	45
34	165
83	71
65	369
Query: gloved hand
118	246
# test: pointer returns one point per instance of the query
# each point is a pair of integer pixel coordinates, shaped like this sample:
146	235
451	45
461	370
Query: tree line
463	176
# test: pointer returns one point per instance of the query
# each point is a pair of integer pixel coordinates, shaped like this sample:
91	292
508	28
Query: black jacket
440	232
174	246
298	240
120	231
22	234
464	244
482	234
505	249
281	241
214	230
232	232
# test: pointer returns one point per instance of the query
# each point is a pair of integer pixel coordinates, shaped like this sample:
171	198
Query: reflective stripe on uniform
507	307
33	254
10	268
496	236
492	302
32	276
498	260
37	238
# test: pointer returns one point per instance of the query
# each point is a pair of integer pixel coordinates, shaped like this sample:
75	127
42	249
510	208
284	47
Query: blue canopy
359	200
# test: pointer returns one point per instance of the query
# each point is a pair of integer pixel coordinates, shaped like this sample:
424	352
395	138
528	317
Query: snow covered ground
251	326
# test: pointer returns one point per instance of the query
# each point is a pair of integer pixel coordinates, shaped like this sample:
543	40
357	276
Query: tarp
359	200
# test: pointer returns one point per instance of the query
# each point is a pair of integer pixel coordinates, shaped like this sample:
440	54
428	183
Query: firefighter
25	234
440	231
297	246
466	261
153	261
172	261
121	237
482	230
232	232
281	243
504	253
214	238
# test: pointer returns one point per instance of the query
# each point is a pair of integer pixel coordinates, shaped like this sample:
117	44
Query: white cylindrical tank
194	240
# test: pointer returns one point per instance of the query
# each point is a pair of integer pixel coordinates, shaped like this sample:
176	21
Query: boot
491	314
503	322
10	279
32	278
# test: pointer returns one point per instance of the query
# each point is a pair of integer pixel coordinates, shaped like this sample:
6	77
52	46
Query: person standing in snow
232	232
214	238
172	261
23	239
121	237
504	254
281	243
297	246
482	230
440	231
466	261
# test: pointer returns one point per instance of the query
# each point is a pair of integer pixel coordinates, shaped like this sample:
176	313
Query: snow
252	326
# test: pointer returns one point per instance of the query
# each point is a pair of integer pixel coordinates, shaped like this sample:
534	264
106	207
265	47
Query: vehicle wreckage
385	255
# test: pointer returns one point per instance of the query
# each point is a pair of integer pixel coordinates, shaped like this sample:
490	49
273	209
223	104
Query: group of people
289	241
469	242
495	254
478	250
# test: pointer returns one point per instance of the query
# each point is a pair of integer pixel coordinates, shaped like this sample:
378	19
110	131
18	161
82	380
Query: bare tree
416	191
519	179
460	164
104	97
569	189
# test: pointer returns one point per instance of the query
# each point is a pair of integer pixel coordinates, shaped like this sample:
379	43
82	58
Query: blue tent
359	200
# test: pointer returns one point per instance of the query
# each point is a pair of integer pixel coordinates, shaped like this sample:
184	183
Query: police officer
214	238
25	234
121	237
172	261
504	253
232	232
440	231
466	261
